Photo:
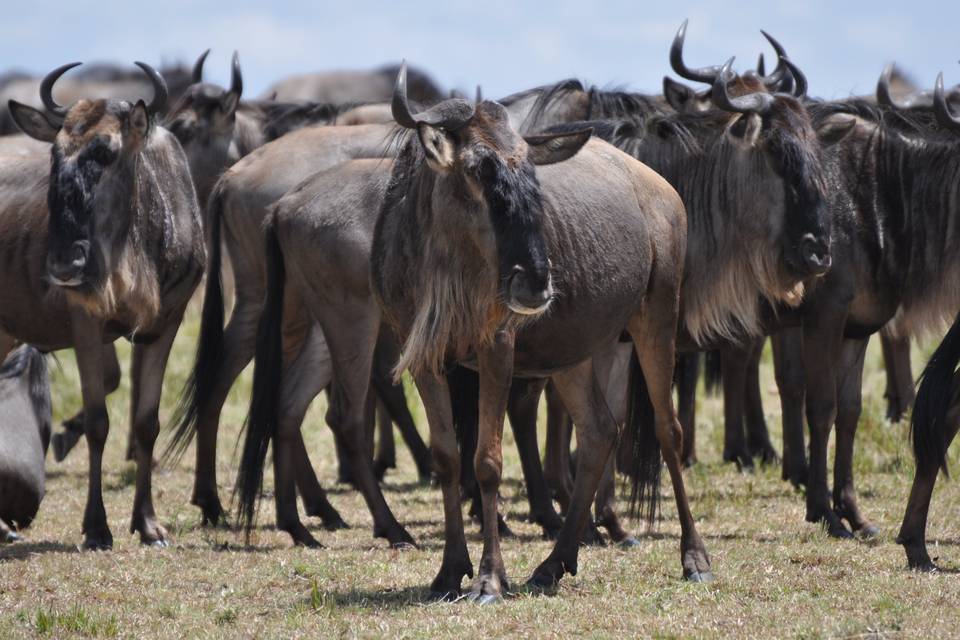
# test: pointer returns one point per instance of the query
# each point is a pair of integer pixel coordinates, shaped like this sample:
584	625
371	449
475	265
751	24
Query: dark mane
280	118
919	119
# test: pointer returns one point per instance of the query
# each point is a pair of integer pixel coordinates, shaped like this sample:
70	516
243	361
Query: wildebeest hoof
698	576
11	537
396	535
503	528
839	532
64	441
301	537
334	524
592	537
99	542
868	532
628	543
404	546
766	453
158	544
448	595
484	598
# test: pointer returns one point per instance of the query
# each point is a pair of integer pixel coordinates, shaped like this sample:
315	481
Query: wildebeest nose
816	254
526	296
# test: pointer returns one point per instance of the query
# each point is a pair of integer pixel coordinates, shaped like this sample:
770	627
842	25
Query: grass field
777	575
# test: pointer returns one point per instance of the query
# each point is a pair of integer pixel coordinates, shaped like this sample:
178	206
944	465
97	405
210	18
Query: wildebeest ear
835	130
139	119
438	145
229	102
33	122
678	95
746	129
556	147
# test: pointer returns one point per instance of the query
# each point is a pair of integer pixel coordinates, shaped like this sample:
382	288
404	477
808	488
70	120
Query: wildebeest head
778	124
203	120
483	164
94	157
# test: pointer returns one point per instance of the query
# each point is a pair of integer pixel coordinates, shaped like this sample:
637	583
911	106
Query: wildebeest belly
21	456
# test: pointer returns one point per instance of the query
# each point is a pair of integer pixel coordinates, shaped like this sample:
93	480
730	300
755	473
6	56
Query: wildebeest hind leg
583	398
788	366
899	392
758	436
556	467
848	414
733	366
149	364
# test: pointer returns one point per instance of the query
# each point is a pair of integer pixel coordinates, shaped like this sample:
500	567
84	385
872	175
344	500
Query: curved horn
236	76
46	90
159	88
779	72
479	97
452	114
761	67
751	103
940	107
800	90
196	76
703	74
884	97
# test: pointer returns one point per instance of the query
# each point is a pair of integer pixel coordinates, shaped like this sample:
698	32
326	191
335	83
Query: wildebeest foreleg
758	436
64	441
522	410
456	564
495	365
584	399
88	344
733	359
900	392
688	372
788	367
913	531
557	469
148	366
385	452
848	415
822	344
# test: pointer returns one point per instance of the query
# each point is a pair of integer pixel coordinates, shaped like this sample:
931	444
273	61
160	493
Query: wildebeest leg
848	414
495	366
733	367
385	456
456	564
900	392
913	531
64	441
557	464
88	344
758	436
788	366
654	341
395	402
351	332
238	344
309	372
596	435
522	410
146	379
822	345
688	372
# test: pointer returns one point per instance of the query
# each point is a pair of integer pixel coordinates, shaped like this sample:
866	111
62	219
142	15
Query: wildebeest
24	436
342	87
102	240
469	254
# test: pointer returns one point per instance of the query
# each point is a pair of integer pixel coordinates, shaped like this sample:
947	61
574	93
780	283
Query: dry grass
777	576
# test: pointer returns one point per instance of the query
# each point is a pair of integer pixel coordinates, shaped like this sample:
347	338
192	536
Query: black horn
451	114
884	96
776	78
46	90
940	107
761	67
703	74
159	101
236	76
800	80
196	76
479	97
757	102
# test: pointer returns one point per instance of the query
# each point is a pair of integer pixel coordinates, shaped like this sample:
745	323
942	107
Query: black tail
928	424
261	424
712	378
200	384
645	465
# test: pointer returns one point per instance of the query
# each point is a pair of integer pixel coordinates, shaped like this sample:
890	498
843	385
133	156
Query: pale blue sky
504	46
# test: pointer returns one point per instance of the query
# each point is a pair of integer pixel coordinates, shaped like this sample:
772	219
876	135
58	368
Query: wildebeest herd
568	241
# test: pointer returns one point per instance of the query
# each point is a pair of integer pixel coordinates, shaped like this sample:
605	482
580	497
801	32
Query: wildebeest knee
96	424
446	466
670	431
488	470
